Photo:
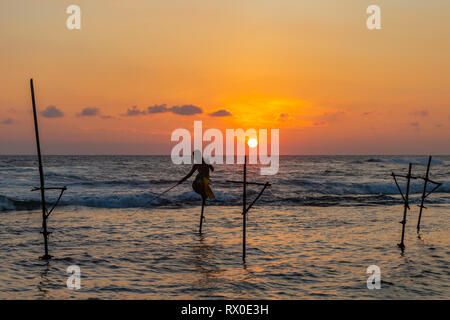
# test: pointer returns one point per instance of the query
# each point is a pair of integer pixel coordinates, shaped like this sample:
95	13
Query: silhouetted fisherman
201	182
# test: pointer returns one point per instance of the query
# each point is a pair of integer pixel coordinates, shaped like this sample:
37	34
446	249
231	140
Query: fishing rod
158	195
164	192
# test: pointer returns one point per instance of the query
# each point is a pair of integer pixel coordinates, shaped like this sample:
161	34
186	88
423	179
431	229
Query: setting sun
252	143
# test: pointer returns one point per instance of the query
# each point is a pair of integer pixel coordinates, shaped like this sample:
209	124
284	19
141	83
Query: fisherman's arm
188	175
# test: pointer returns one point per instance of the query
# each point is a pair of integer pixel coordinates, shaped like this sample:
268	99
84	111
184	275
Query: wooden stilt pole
406	207
424	193
41	176
202	217
244	210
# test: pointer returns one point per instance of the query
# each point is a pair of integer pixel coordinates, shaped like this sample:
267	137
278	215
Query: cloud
89	112
420	113
52	112
367	113
220	113
331	116
186	110
284	117
134	111
7	121
161	108
320	123
93	112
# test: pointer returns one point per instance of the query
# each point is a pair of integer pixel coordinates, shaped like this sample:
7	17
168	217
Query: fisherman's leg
201	217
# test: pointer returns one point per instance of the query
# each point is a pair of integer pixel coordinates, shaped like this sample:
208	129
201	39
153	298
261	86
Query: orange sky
311	69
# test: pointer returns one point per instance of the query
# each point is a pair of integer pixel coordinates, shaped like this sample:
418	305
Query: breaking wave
133	182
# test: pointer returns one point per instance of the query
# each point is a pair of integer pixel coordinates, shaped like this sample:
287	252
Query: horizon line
146	155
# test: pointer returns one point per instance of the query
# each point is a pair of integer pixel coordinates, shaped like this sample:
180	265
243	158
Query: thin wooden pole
424	193
244	210
403	222
41	175
201	217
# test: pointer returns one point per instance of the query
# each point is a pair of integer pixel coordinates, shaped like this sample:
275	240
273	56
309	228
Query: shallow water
293	253
132	181
311	235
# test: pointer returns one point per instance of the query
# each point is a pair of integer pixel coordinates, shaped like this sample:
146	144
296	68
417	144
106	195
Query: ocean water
311	235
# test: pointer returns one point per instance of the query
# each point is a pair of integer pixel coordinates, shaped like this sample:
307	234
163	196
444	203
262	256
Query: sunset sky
139	69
